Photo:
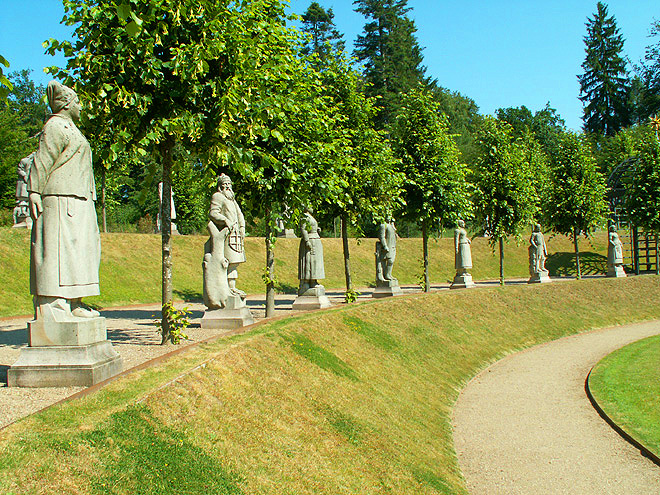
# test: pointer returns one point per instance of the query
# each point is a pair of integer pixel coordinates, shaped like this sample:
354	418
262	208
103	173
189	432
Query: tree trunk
166	233
270	267
425	247
501	260
577	253
347	254
103	213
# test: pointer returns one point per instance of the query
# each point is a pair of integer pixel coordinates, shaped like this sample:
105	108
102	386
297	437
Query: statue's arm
382	230
457	236
215	211
304	233
52	143
241	220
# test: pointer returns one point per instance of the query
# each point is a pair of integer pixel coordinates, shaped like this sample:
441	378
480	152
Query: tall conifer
604	84
389	50
325	38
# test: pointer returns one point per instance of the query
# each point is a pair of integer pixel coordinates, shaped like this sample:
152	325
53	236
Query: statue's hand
36	206
225	263
309	245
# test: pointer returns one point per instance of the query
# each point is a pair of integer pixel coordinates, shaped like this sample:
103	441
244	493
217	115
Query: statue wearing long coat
310	253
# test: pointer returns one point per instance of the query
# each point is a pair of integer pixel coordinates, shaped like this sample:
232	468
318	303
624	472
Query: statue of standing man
223	252
21	211
386	284
538	252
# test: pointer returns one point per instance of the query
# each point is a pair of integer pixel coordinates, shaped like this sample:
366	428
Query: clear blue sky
499	53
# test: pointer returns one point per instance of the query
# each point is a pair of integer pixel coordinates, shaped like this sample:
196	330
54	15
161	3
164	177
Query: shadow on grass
284	288
562	264
189	295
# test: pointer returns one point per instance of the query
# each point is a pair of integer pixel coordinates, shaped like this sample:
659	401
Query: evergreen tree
604	84
650	74
390	52
319	24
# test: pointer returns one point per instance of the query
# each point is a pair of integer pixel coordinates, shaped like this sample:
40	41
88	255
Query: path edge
622	433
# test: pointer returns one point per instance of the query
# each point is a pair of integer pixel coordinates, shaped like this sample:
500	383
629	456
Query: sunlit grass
362	406
626	386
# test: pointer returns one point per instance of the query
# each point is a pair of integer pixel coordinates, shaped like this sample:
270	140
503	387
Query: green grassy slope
130	265
352	400
625	385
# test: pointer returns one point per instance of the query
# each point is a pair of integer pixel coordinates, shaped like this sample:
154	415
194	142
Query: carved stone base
616	271
64	366
25	223
311	298
462	281
235	314
287	234
539	278
387	288
71	332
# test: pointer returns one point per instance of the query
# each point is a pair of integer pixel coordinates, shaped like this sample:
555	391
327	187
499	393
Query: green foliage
435	186
351	295
21	120
5	84
604	84
324	359
649	103
506	176
576	202
177	321
545	125
390	53
642	194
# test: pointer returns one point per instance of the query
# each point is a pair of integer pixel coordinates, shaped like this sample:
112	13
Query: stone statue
68	340
386	284
538	252
614	254
223	252
66	245
462	258
21	213
311	294
159	227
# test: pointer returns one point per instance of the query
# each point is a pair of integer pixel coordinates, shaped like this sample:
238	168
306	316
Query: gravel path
526	426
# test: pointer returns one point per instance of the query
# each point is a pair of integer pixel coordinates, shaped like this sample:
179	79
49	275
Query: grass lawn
626	386
352	400
130	265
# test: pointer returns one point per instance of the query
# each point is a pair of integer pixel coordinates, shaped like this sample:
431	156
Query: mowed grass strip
362	406
130	265
626	386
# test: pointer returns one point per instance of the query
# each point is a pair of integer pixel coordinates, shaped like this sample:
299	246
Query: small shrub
177	322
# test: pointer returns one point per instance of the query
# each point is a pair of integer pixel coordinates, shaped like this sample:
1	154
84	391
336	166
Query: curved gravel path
526	426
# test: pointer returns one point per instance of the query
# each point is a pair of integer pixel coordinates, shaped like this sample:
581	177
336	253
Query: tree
325	39
649	103
642	194
155	73
367	185
604	84
435	186
545	124
505	176
390	53
5	84
21	119
576	203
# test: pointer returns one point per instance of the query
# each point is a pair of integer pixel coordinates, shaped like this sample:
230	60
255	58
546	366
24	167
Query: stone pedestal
462	281
539	278
235	314
311	298
387	288
24	223
616	271
70	353
287	234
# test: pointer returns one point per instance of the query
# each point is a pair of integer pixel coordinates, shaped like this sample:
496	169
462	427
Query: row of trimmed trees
229	85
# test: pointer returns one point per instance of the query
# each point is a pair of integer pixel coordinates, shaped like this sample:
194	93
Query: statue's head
309	209
224	182
63	100
537	227
461	224
612	228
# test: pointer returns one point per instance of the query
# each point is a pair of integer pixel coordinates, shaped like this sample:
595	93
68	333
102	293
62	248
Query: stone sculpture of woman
614	254
310	254
311	294
538	252
66	246
462	257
